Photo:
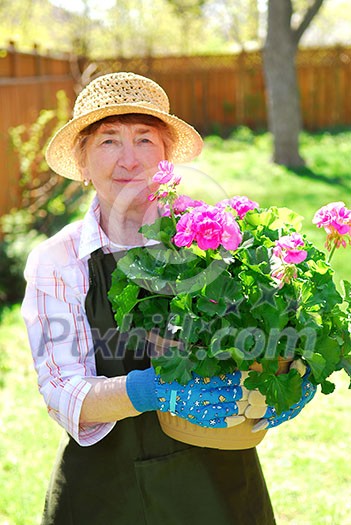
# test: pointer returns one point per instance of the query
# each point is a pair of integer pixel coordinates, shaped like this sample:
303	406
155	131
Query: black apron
137	475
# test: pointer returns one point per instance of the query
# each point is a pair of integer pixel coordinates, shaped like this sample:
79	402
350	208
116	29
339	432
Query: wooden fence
28	83
214	93
218	92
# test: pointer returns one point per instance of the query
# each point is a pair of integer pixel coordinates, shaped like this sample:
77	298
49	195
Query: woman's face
120	160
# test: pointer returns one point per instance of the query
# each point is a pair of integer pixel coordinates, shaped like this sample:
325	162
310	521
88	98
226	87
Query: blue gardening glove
258	409
203	401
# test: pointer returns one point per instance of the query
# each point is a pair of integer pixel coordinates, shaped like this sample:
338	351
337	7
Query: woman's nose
127	158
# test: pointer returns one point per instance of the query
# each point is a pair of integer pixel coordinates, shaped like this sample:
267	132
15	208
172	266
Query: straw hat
117	94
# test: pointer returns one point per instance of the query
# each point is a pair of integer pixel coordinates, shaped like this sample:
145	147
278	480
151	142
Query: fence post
240	93
37	61
13	61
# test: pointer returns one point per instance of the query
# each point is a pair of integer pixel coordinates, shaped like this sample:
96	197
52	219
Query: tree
187	11
237	21
140	28
331	26
284	113
80	31
38	21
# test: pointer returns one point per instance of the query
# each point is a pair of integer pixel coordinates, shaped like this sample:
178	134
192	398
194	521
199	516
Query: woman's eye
108	141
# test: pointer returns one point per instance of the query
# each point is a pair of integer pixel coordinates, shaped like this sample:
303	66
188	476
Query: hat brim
187	143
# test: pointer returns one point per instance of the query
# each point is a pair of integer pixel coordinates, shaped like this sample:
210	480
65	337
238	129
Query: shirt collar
92	235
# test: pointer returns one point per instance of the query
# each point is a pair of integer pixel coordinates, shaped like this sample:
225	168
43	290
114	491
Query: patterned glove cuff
140	386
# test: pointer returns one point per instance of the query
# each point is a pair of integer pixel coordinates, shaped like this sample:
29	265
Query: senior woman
115	465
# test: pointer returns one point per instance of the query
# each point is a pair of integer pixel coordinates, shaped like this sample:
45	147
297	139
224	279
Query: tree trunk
284	113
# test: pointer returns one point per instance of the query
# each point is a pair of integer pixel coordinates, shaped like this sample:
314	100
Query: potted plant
235	286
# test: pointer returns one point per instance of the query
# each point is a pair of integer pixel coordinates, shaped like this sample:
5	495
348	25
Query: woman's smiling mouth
127	181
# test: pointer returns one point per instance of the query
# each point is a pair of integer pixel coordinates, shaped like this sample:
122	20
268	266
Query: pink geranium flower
165	210
152	197
183	202
185	231
231	234
240	203
165	173
335	218
208	233
284	274
207	226
210	227
289	249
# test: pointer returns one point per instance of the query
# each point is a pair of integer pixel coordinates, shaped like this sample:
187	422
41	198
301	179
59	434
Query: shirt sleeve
61	344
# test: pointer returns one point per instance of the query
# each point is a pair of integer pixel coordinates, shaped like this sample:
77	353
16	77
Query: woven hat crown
120	88
117	94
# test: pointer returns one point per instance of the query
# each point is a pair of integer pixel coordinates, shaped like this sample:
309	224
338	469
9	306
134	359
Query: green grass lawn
306	461
28	436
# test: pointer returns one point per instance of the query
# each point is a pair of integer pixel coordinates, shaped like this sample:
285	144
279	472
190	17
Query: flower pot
233	438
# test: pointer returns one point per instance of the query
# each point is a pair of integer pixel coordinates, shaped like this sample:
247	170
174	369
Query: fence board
20	103
210	92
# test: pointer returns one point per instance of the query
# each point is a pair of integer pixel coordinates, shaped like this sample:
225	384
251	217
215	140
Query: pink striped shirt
58	329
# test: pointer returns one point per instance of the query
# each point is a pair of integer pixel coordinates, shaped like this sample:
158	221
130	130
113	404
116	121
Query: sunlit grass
28	437
305	463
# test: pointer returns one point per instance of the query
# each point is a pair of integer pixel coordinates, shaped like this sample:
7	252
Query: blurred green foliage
48	201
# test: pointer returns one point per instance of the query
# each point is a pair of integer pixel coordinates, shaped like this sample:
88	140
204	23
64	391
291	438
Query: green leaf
221	341
187	283
258	259
346	365
223	287
154	313
254	380
211	307
259	217
317	364
118	283
286	218
175	366
269	308
327	387
162	230
275	219
347	291
181	303
324	360
318	266
248	279
281	391
270	366
239	357
125	302
151	268
207	367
